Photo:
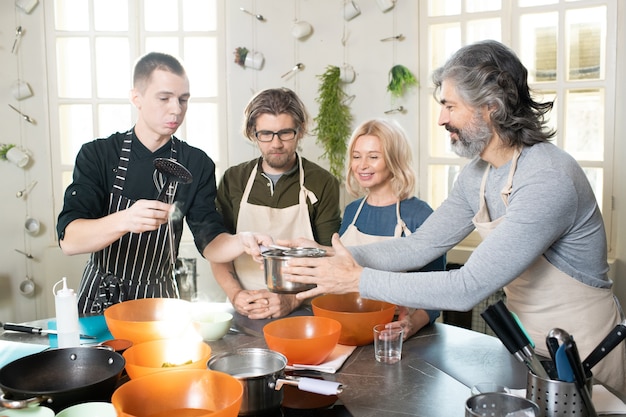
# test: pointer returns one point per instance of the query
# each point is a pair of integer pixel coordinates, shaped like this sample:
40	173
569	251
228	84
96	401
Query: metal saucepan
61	377
275	259
262	373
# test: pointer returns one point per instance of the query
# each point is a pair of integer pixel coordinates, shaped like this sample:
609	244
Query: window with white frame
93	45
569	48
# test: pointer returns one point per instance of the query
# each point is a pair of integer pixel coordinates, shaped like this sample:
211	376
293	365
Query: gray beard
472	139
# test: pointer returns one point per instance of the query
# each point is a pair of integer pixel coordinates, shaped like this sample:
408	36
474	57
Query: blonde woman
380	176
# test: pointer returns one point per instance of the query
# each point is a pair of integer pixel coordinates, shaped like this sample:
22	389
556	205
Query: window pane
161	15
445	39
441	178
444	7
538	45
478	30
531	3
165	45
473	6
586	38
201	66
110	15
113	118
199	15
74	64
202	128
71	15
112	81
596	179
584	124
75	128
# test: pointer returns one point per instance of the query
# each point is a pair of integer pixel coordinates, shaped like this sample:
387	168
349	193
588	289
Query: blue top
381	221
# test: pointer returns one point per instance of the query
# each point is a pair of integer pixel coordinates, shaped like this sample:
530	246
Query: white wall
363	50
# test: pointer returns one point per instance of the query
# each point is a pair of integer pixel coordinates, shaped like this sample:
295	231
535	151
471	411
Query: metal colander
499	404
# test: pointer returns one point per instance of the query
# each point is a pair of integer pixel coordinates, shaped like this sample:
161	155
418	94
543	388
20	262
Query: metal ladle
258	16
174	173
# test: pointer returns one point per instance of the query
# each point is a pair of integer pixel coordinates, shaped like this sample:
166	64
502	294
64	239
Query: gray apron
588	313
135	266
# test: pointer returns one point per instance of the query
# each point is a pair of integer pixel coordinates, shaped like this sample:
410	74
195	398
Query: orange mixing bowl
180	393
149	319
306	340
357	315
165	355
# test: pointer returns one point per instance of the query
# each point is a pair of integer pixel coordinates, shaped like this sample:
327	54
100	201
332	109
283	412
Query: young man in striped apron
111	208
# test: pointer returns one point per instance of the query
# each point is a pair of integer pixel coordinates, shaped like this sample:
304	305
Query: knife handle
614	338
511	325
573	357
21	328
492	318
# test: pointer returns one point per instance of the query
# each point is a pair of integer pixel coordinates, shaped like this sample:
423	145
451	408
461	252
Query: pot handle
317	386
30	402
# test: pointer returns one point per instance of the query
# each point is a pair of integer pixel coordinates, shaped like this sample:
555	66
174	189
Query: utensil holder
556	398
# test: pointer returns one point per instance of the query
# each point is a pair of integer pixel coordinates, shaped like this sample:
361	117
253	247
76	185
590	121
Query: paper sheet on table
332	364
10	351
603	400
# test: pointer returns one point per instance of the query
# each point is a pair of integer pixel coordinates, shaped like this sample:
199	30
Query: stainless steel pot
275	259
261	371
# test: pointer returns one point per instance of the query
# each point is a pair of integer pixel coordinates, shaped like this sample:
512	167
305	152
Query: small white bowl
38	411
212	325
96	409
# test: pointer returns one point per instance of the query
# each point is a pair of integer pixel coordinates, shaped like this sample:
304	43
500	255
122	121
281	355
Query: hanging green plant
333	120
400	79
240	55
4	148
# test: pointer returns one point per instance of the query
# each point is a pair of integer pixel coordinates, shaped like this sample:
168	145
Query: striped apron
137	265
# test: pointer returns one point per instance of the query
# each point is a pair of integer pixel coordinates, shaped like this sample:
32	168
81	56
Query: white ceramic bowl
28	412
211	324
95	409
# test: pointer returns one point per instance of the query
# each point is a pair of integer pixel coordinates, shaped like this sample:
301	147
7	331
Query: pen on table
37	330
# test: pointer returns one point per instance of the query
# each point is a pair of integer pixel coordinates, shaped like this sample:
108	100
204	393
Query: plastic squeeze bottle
66	307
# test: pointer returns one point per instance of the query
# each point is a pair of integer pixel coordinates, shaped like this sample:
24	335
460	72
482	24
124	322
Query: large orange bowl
357	315
149	319
180	393
165	355
306	340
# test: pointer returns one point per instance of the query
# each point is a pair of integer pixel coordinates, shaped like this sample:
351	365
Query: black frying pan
61	377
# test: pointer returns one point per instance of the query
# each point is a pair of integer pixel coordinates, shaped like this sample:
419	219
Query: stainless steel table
438	366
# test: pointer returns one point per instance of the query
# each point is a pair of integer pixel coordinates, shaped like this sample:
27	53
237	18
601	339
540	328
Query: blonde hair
396	152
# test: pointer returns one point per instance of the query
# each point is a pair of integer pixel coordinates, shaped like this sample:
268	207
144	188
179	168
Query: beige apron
353	237
588	313
287	223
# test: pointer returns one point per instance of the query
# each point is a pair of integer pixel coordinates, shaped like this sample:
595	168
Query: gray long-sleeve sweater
552	212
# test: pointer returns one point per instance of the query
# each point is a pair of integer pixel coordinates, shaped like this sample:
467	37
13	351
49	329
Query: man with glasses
280	194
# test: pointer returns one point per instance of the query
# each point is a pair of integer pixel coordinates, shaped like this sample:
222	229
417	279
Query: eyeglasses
268	136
